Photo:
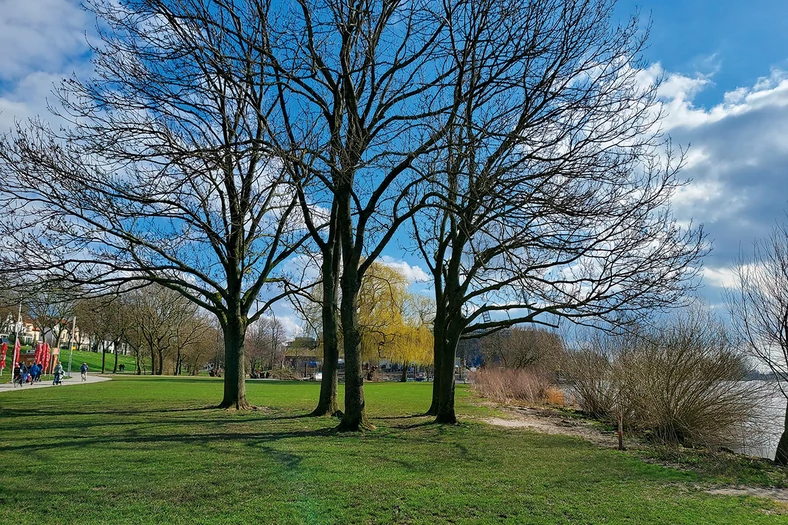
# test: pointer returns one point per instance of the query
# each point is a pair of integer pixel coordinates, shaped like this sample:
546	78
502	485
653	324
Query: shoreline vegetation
154	450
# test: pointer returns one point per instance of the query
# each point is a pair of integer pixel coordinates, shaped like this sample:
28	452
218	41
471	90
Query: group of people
23	374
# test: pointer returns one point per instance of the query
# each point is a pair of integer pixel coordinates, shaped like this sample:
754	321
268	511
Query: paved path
46	383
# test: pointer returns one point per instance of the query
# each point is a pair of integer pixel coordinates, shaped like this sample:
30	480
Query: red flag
17	350
3	351
37	356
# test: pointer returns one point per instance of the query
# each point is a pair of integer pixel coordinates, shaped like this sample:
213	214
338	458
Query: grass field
149	450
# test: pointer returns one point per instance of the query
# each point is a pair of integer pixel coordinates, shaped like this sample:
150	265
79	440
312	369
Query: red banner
45	356
17	350
3	351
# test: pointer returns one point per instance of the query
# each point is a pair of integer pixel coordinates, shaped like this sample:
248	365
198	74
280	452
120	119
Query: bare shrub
680	382
590	372
525	385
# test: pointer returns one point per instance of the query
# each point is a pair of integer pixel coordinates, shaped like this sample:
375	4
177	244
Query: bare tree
552	183
267	340
161	173
759	307
363	95
521	347
50	308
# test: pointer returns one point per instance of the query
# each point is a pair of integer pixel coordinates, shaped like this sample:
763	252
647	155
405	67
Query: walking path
73	380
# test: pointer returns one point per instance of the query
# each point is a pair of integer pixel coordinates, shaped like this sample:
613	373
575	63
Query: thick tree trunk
355	417
234	372
115	367
437	353
327	404
444	375
160	368
404	377
781	456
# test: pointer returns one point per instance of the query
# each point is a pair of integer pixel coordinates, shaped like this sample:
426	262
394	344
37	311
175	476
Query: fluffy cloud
41	42
414	274
737	163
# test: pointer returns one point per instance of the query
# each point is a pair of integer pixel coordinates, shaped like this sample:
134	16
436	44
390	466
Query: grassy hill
93	359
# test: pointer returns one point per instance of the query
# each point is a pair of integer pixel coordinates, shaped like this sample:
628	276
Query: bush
682	382
285	374
525	385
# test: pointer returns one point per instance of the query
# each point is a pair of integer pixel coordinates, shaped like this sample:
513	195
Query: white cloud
414	274
41	42
720	277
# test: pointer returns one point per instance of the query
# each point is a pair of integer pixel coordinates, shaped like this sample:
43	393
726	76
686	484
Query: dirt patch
780	495
555	422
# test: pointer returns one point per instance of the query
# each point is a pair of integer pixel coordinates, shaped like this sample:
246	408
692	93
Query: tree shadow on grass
123	441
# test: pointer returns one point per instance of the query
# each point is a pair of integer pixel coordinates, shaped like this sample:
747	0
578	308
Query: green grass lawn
150	450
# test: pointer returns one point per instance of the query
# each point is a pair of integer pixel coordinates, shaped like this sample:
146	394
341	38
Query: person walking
84	370
58	375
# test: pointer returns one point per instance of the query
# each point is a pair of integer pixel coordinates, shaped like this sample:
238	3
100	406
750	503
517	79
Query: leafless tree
362	96
552	181
267	338
759	307
161	171
50	309
521	347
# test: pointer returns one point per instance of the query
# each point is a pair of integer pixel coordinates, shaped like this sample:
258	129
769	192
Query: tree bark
160	368
234	380
103	358
781	456
444	377
404	378
327	404
355	416
115	367
437	352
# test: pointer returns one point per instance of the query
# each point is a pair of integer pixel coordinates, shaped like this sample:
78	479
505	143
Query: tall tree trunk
115	367
152	360
234	372
439	331
327	404
781	456
355	417
404	377
160	369
444	377
178	361
103	357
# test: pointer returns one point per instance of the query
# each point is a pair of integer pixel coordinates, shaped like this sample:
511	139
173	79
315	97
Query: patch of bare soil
555	422
779	495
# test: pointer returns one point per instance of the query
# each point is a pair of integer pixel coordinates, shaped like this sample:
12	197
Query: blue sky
735	41
725	65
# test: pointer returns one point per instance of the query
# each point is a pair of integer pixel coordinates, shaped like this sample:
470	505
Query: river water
759	436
